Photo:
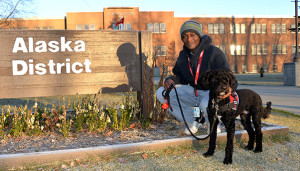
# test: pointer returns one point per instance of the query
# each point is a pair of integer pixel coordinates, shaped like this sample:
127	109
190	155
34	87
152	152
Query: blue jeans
188	101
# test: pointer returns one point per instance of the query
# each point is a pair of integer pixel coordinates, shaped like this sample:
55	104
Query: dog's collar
232	105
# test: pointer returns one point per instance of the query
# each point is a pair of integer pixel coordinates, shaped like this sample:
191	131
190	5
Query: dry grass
281	152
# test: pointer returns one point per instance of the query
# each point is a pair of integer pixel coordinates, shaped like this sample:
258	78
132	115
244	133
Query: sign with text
37	63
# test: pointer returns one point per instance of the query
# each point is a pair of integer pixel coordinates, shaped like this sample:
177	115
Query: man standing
198	56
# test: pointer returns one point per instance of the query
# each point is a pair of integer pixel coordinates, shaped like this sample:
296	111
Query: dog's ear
206	79
232	79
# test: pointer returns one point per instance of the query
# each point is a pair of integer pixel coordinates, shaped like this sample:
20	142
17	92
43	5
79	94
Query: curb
14	161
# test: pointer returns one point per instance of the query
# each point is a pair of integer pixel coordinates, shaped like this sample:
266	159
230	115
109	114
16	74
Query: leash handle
166	95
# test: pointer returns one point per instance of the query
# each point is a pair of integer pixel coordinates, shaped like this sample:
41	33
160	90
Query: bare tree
14	9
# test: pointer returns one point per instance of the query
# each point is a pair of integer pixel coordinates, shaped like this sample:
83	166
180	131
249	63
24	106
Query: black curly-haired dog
219	82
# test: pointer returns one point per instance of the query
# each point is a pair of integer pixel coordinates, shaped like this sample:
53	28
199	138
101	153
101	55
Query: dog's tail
266	112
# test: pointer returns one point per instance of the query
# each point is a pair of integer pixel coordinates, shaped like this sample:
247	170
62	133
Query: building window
258	28
244	68
85	26
254	68
278	28
162	27
292	27
264	49
244	51
237	28
238	49
284	51
283	28
150	27
259	49
216	28
157	27
92	27
128	26
253	49
222	29
243	28
274	49
78	27
210	29
294	49
273	29
161	50
252	28
263	28
279	49
43	28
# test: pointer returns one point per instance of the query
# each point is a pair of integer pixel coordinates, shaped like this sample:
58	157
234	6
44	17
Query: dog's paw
227	161
208	154
249	148
257	150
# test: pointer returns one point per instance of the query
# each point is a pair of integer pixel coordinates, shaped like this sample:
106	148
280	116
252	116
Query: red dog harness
234	100
232	105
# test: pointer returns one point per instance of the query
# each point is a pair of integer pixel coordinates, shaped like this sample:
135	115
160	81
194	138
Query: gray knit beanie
191	26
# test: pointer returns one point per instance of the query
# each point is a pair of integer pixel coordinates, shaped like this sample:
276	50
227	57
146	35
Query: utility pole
291	70
296	57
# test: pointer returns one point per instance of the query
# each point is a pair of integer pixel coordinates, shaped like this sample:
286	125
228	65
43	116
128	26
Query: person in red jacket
197	56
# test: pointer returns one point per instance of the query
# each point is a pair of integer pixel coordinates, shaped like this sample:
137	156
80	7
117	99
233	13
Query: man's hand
168	83
226	95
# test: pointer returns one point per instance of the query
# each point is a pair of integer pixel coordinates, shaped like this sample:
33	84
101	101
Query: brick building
249	42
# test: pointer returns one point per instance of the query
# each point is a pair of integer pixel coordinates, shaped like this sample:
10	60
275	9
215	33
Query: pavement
285	98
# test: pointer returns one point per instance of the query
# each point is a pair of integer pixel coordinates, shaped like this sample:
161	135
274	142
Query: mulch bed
50	141
170	128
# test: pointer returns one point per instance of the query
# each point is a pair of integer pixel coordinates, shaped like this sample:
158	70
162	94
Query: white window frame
264	49
259	49
253	49
273	29
156	28
128	26
263	28
284	49
253	29
222	28
216	28
210	28
258	28
163	28
244	50
283	28
150	27
254	68
243	28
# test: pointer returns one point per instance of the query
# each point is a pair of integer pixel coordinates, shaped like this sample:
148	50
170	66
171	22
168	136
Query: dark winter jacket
213	58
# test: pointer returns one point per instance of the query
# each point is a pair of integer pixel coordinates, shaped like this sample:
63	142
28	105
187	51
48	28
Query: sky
59	8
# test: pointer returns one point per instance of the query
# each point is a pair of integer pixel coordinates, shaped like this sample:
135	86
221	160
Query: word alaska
42	46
